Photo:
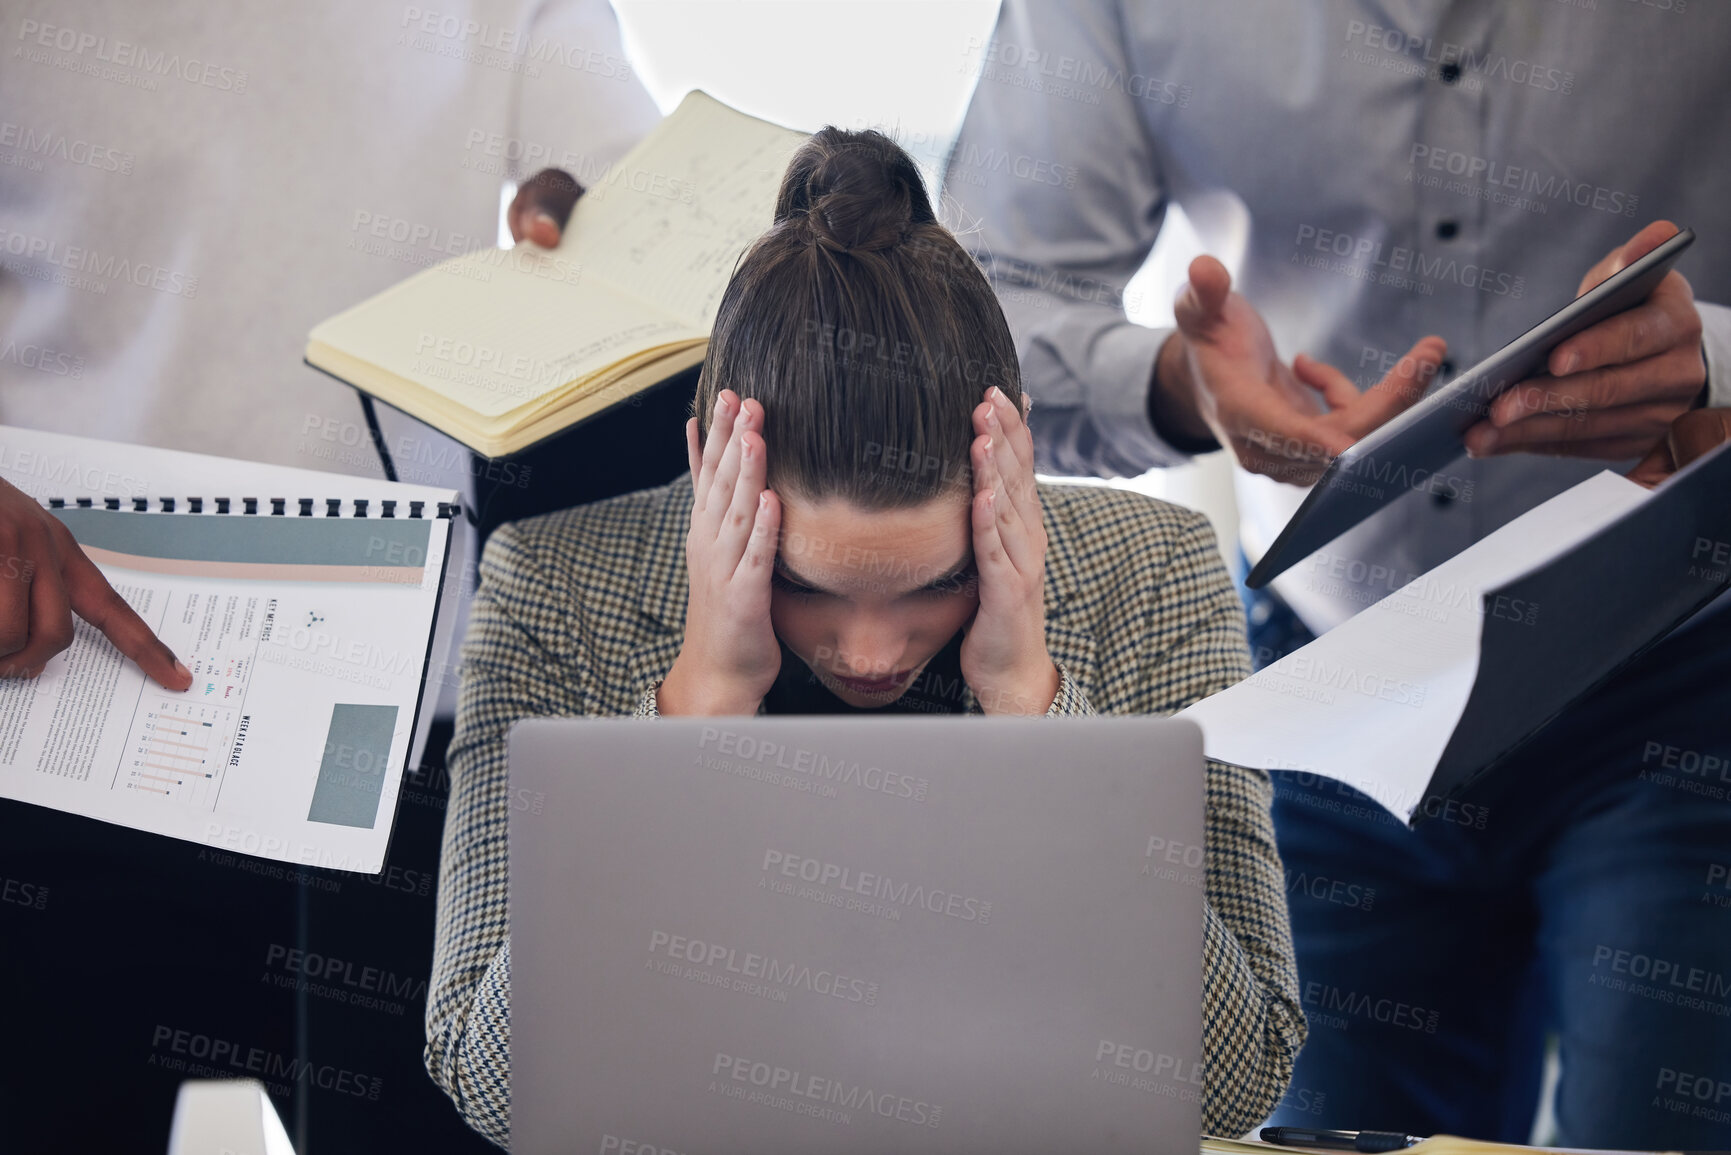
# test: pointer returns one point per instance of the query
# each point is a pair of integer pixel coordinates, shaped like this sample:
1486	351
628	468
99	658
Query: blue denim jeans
1581	888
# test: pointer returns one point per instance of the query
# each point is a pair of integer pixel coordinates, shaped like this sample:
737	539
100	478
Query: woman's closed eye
788	586
958	582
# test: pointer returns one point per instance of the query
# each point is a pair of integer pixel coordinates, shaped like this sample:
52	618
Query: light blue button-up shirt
1376	172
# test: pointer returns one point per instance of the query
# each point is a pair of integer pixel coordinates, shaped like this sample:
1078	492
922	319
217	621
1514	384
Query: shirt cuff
1716	351
1098	421
1180	442
1122	363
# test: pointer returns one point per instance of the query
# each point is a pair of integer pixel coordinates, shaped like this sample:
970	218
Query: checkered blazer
582	612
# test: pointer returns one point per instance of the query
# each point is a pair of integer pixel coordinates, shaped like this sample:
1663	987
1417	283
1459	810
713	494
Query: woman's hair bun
854	192
857	261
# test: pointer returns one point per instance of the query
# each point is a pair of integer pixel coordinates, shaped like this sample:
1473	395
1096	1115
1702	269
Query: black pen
1367	1141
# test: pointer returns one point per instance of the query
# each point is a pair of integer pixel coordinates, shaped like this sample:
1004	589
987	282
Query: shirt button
1442	499
1447	368
1446	230
1449	73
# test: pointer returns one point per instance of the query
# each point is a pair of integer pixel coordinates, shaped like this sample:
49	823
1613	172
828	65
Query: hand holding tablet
1405	452
1611	390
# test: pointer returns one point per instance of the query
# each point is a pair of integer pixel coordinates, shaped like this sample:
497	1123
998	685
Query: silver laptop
849	936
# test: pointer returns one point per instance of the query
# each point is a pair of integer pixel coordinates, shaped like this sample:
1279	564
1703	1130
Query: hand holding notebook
504	348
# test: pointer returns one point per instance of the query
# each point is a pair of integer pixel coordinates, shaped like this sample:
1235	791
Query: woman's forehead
834	543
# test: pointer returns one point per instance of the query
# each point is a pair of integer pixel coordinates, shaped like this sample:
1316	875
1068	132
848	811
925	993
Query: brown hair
864	329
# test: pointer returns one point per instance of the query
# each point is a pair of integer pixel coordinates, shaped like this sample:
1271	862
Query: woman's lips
872	685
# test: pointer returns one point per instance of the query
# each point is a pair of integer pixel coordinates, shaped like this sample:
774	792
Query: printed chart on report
307	639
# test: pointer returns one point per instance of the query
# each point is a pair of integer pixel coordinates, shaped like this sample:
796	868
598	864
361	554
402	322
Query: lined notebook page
673	217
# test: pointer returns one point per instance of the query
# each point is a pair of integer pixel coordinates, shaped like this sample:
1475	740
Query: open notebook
501	348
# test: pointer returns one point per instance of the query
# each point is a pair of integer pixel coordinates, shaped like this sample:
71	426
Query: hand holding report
45	580
308	637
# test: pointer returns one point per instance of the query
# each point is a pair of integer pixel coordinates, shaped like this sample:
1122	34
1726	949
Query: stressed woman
860	530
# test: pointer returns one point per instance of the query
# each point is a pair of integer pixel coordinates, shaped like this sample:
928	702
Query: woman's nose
869	653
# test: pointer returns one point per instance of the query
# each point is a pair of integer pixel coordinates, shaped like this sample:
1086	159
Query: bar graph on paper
179	745
178	751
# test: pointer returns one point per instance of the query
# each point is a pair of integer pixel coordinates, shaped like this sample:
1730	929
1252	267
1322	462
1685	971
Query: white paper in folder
309	638
1373	702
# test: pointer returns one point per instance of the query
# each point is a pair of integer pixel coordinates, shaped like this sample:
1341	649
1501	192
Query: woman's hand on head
730	656
1004	656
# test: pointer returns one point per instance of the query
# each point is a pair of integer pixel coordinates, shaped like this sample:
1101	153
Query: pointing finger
95	601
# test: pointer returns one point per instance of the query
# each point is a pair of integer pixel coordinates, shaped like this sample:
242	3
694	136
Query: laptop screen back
848	936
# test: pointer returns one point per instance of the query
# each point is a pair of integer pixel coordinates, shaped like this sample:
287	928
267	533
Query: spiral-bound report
309	625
